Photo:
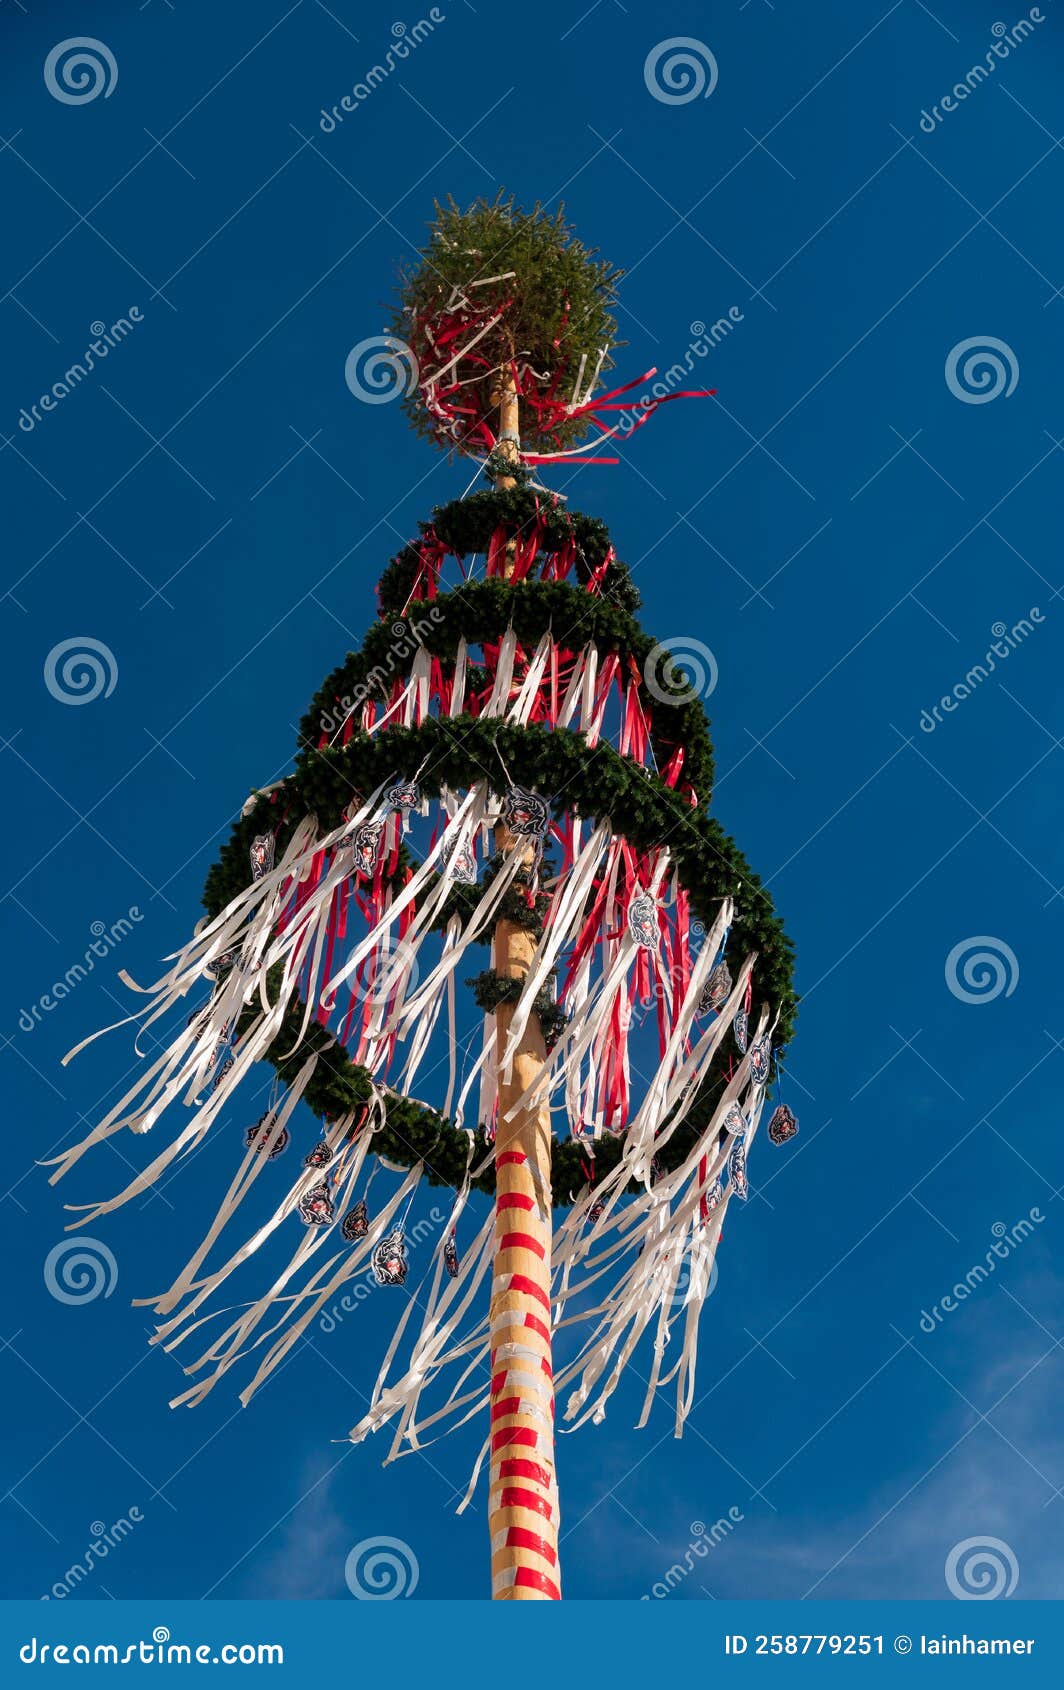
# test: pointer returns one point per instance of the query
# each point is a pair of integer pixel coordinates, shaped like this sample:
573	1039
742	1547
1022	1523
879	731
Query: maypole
509	761
523	1489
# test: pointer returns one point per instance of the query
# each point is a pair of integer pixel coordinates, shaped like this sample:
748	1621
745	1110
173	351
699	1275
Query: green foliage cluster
561	308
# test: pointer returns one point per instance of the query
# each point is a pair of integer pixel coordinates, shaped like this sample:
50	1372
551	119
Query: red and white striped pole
523	1489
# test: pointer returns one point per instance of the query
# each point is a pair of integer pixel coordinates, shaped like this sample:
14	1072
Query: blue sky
840	527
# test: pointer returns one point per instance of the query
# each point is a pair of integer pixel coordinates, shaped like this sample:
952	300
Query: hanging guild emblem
714	1195
366	846
316	1206
737	1170
262	848
734	1122
760	1061
355	1223
450	1256
389	1259
404	797
643	921
458	853
782	1126
526	813
716	990
257	1137
222	1069
741	1028
319	1157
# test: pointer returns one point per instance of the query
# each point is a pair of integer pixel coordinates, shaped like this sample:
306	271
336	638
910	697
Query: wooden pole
523	1489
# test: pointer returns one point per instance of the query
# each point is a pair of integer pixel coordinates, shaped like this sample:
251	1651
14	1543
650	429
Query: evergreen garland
478	612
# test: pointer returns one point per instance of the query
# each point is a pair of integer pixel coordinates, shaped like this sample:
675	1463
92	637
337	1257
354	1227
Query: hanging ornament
734	1122
355	1223
458	853
741	1028
526	813
404	797
642	921
737	1170
760	1061
450	1256
366	845
716	990
783	1125
656	1170
262	849
389	1259
319	1157
715	1194
223	963
222	1069
316	1206
595	1211
257	1137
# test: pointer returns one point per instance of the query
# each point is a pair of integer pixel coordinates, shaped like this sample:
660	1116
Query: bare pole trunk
523	1489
